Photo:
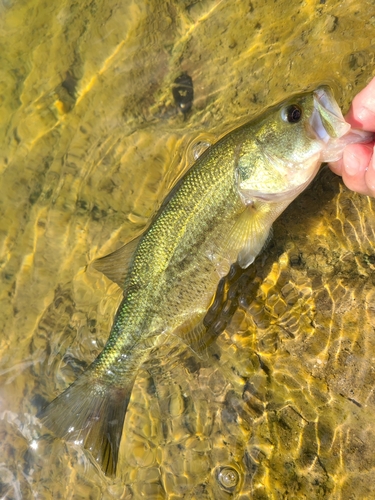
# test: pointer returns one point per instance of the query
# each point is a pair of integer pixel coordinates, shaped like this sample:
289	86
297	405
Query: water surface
91	141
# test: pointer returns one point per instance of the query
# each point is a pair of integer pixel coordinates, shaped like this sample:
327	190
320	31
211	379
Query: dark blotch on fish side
183	92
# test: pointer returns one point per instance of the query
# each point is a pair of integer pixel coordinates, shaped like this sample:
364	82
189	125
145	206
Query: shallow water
91	141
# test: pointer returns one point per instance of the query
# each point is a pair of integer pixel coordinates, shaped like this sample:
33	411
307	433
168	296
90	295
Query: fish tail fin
91	413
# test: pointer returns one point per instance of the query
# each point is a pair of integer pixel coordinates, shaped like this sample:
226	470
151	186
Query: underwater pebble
183	92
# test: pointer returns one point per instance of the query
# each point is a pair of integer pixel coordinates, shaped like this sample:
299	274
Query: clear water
91	141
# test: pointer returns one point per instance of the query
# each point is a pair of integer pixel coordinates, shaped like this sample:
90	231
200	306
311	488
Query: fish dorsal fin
116	265
251	232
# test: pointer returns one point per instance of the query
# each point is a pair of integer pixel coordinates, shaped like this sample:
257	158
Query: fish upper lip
322	95
328	125
325	107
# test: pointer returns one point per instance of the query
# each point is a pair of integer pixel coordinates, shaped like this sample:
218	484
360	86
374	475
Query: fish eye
291	114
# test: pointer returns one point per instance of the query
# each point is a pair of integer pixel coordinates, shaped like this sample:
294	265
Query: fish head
282	150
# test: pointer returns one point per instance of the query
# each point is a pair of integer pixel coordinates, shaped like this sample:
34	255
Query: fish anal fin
203	338
195	334
194	338
116	265
91	414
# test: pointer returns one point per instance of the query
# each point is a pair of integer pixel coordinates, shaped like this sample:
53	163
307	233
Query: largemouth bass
220	211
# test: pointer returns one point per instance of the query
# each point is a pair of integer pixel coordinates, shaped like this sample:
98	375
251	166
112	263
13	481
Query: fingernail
352	163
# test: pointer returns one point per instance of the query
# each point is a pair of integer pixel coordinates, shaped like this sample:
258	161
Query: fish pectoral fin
249	235
116	265
92	414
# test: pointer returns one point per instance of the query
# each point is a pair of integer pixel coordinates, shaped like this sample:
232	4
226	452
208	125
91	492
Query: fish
220	211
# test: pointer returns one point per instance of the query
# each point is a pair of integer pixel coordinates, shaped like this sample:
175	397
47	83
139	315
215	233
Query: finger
355	161
362	111
370	176
336	166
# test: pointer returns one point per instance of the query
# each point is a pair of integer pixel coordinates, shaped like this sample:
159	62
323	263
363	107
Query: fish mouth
327	121
328	125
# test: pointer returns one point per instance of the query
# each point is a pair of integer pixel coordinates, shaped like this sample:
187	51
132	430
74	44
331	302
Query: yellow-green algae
91	142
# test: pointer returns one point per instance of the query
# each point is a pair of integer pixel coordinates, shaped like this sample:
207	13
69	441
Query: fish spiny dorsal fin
116	265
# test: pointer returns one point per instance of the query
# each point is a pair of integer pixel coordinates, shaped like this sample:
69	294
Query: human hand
357	166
